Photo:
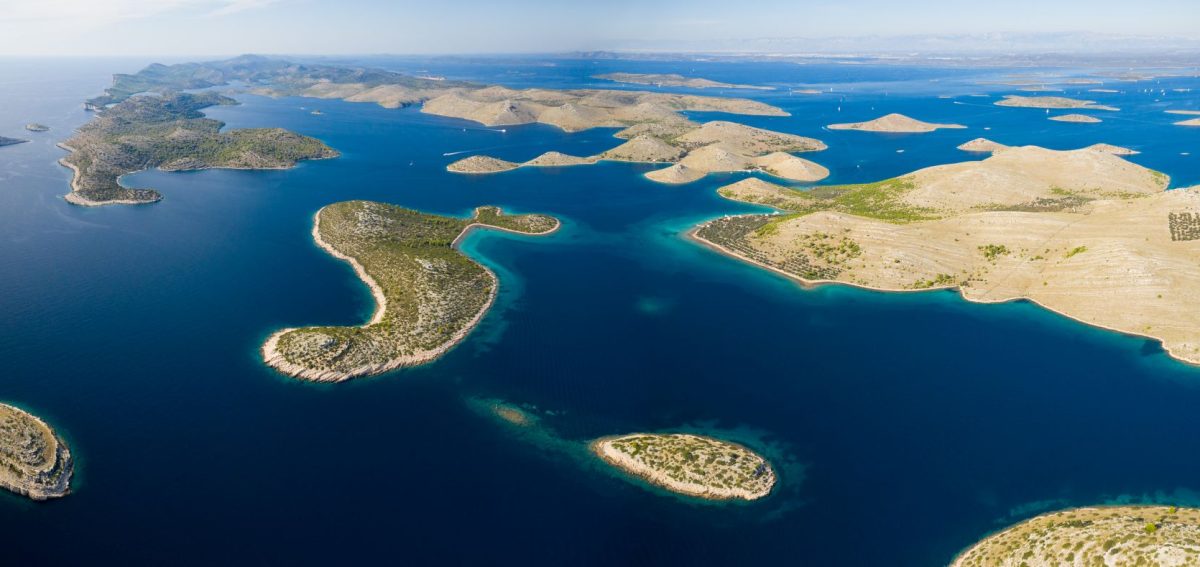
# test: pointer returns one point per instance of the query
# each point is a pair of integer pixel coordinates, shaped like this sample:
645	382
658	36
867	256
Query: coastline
63	457
603	450
690	234
75	198
273	358
1100	507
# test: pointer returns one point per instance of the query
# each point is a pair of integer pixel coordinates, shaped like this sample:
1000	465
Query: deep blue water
911	424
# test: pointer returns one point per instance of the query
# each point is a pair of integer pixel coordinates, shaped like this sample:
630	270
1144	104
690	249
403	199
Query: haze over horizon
227	27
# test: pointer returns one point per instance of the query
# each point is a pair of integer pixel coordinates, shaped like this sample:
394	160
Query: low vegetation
430	294
1118	535
170	132
33	460
690	464
880	200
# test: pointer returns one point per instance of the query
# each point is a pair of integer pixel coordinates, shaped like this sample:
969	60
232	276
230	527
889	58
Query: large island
691	465
1111	535
652	123
429	295
169	132
674	80
1084	233
34	461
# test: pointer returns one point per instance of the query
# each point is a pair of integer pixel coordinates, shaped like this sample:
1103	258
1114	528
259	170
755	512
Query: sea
904	426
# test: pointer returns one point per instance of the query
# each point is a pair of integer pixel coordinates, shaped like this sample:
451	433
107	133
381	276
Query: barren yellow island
428	294
1083	233
1117	535
692	465
33	460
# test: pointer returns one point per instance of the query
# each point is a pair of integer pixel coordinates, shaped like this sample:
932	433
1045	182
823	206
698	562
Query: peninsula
691	465
169	132
428	294
1083	233
1051	102
1192	122
896	124
11	141
674	80
34	461
1108	535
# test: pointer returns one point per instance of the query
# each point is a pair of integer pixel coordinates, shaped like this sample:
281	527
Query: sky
227	27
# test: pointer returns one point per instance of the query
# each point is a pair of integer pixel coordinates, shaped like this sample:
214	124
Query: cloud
235	6
93	13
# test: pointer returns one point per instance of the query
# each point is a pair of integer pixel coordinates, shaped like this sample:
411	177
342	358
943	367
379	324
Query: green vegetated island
169	132
1109	535
429	295
34	461
1084	233
652	123
675	80
691	465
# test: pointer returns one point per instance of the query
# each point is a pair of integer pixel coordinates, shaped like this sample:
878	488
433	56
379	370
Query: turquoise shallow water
911	424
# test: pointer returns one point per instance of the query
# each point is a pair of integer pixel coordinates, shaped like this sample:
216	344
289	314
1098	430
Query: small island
691	465
35	127
11	141
981	145
1051	102
674	80
34	461
428	294
896	124
512	414
169	132
1076	118
1083	233
481	164
694	152
1106	535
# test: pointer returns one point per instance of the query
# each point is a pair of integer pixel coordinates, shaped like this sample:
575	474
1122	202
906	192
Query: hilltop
895	123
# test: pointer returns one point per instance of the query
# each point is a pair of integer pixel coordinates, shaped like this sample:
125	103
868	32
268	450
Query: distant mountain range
988	43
